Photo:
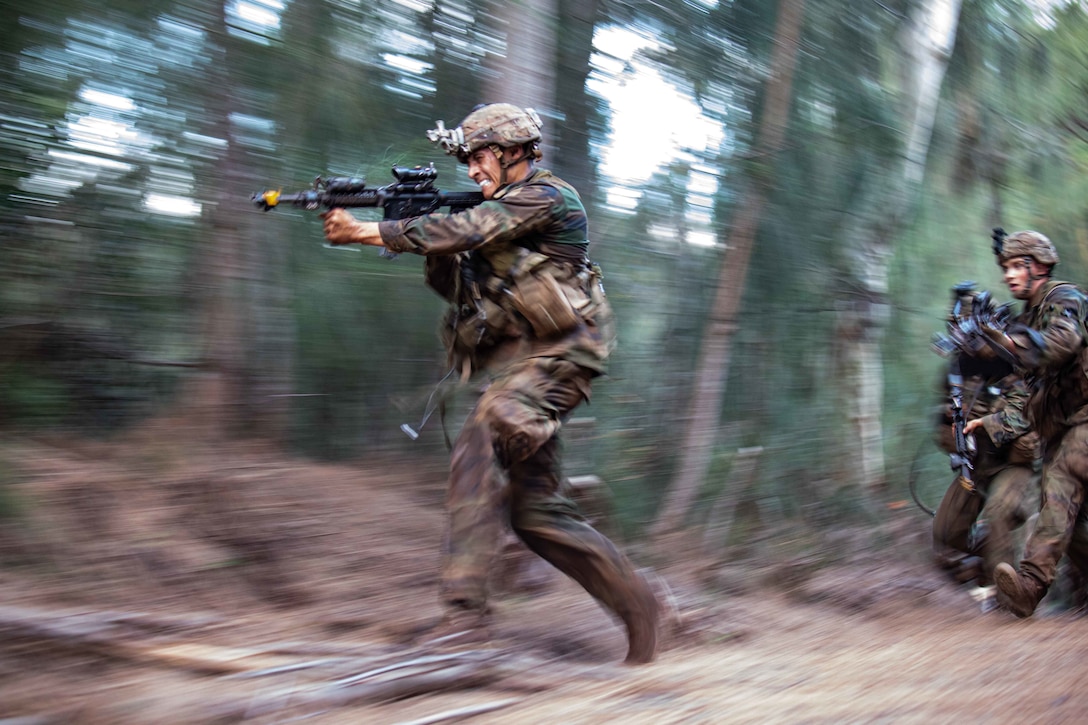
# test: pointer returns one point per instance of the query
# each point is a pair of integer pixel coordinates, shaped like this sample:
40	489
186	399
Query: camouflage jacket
1003	406
1052	349
517	276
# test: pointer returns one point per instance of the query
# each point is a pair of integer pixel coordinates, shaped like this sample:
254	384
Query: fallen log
463	712
396	681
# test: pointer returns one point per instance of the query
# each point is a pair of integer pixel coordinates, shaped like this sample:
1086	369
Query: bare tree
214	402
926	39
713	365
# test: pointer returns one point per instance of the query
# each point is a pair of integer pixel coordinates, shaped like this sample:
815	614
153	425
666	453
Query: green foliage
11	507
107	108
33	400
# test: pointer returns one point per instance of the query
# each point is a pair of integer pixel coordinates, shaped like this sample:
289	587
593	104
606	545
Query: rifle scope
415	175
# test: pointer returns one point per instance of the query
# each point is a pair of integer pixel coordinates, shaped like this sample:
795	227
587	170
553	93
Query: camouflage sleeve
1055	336
523	210
1010	422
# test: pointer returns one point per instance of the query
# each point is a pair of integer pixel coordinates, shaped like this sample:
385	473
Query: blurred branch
52	340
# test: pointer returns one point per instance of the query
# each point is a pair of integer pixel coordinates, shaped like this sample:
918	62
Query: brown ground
136	589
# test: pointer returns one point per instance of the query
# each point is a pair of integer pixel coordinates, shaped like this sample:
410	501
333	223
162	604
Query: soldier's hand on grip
339	226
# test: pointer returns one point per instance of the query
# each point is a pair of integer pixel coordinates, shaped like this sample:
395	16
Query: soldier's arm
1010	422
1058	338
342	228
521	211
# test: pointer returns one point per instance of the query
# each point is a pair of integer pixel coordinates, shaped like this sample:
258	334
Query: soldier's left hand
339	226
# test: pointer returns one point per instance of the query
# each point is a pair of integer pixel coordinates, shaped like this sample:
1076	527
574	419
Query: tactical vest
538	292
1060	397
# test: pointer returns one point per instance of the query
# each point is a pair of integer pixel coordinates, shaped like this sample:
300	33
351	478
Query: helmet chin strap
503	164
1032	277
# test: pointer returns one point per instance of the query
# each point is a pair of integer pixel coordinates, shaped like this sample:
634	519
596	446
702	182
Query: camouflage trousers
1062	526
505	470
968	525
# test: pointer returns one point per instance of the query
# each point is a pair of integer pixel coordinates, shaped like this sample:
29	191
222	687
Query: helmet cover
494	124
1025	244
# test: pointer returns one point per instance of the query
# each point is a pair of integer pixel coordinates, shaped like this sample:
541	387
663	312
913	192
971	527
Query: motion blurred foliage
138	282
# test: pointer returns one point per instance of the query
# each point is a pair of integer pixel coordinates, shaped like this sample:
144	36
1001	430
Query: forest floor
141	583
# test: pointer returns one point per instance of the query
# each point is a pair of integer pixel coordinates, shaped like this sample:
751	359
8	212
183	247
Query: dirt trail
140	590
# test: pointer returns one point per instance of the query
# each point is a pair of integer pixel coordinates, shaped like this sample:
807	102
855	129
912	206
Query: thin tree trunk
574	160
211	403
456	91
712	373
526	74
925	44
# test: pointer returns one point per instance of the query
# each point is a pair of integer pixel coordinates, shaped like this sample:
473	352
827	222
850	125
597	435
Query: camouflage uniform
1048	341
968	525
1051	344
526	307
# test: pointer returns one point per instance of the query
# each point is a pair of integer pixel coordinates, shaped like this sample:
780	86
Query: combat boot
641	638
969	569
643	622
1018	592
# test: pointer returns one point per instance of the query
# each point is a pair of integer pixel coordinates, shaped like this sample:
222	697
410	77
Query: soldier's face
484	169
1023	275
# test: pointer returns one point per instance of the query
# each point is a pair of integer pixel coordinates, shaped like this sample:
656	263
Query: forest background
820	175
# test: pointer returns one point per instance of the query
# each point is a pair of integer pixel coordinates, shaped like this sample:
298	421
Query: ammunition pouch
548	295
522	294
471	328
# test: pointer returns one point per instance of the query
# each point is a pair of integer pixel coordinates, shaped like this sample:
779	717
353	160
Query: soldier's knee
518	429
515	447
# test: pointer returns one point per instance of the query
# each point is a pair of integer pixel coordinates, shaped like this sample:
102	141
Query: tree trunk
457	87
525	76
573	160
712	372
926	43
213	401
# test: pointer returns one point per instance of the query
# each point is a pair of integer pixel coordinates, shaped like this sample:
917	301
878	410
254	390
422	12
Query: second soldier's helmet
494	124
1026	244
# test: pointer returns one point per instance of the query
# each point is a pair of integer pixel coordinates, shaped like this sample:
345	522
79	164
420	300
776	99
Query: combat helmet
1024	244
494	124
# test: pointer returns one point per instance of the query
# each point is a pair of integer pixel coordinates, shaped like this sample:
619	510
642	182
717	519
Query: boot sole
1007	581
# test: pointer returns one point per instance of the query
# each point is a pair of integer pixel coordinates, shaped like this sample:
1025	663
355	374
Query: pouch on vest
541	298
483	328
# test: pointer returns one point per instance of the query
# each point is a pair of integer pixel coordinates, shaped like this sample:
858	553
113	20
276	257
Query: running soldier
974	531
1048	342
527	309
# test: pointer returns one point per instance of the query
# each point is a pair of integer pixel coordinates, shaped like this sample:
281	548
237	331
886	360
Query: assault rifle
966	339
970	353
412	194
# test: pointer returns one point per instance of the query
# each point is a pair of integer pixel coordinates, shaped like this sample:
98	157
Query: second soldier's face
484	169
1018	277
